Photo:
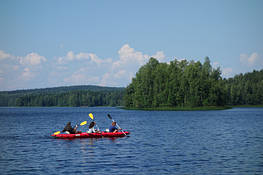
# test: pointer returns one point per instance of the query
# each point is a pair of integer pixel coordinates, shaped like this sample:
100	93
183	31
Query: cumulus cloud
32	59
106	72
4	55
82	56
159	55
27	74
125	67
73	68
227	72
70	56
21	71
128	55
251	60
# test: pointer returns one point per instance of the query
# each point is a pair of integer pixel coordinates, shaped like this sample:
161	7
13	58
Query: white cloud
227	72
4	55
60	60
73	68
106	71
32	59
70	55
181	59
124	68
82	56
27	74
128	55
251	60
21	71
95	59
159	55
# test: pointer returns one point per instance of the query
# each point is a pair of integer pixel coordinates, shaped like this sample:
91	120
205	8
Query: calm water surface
161	142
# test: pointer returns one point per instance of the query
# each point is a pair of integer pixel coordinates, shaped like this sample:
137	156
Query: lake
161	142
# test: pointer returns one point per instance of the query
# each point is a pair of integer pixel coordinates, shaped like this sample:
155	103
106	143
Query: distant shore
247	106
202	108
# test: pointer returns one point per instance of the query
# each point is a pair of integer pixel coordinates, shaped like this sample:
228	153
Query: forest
191	84
156	85
64	96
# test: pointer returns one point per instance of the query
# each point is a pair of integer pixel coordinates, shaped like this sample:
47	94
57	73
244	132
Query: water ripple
161	142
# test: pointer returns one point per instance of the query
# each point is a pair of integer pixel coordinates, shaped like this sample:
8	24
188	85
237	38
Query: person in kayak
69	130
113	128
91	127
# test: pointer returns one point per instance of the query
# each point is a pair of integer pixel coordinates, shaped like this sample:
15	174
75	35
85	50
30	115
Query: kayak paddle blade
83	123
91	116
56	133
109	116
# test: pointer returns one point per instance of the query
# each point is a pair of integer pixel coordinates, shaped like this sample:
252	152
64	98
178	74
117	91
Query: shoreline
247	106
203	108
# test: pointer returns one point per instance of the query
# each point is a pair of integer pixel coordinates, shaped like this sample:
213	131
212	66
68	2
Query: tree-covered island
191	85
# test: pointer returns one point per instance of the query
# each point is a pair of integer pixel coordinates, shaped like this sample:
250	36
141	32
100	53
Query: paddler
113	127
69	130
92	128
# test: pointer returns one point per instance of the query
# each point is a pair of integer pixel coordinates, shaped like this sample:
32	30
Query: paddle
116	123
81	124
92	117
56	133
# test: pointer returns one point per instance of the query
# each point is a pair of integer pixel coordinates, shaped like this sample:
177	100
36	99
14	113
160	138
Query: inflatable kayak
91	135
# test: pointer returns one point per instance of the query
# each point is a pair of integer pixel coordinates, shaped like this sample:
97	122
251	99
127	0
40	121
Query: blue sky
63	43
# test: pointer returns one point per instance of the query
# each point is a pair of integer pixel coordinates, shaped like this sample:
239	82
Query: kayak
91	135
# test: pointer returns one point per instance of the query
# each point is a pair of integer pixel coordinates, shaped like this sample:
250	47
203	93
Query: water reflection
87	145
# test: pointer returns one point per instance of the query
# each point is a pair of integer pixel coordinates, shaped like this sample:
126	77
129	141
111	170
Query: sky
55	43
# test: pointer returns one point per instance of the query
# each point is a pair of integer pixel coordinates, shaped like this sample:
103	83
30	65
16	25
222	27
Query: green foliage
245	89
190	84
64	96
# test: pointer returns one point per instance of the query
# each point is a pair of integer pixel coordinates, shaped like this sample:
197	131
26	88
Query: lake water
161	142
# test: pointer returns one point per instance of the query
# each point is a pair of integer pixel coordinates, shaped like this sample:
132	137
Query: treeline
177	84
64	96
245	89
190	84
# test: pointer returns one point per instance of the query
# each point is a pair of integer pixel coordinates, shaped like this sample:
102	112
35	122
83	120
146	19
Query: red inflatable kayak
91	135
